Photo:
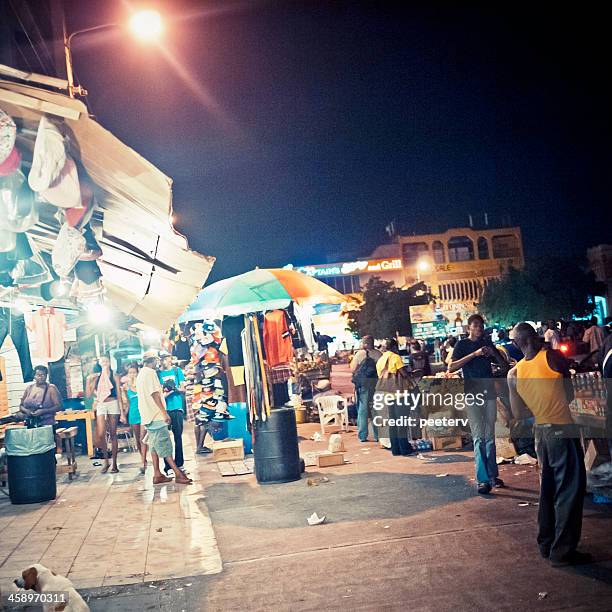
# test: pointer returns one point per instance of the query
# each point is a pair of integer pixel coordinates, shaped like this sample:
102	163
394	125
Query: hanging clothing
181	350
8	135
303	314
49	157
14	324
280	374
231	328
277	338
48	326
18	210
257	393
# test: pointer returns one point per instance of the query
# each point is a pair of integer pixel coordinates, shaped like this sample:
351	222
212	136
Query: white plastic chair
332	409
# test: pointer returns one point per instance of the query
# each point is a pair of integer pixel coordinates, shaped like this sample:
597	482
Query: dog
41	579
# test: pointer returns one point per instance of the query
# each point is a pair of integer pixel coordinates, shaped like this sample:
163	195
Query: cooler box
237	427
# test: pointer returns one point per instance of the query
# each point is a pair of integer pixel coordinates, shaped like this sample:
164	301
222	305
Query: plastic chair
332	409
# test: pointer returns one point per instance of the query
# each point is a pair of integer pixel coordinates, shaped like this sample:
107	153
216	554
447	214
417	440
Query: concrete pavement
398	535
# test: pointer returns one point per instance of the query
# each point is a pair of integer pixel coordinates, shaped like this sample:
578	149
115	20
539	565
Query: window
438	252
483	248
460	248
343	284
506	245
413	251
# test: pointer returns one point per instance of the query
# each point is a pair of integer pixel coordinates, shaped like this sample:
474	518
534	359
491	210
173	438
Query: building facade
458	264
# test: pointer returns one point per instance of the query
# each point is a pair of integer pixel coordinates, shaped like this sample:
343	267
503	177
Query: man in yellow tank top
540	383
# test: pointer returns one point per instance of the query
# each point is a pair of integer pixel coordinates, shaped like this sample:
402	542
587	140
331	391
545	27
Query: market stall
264	327
87	248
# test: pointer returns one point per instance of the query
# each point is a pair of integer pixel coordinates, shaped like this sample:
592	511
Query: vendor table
77	415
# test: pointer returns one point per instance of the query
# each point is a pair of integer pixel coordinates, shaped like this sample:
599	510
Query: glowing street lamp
146	25
422	266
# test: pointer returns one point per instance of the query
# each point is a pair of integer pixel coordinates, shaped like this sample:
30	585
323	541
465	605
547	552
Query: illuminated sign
431	329
422	313
349	267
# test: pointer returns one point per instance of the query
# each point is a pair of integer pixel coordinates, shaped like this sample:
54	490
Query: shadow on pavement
452	459
352	497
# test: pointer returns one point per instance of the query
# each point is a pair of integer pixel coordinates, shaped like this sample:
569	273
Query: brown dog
42	580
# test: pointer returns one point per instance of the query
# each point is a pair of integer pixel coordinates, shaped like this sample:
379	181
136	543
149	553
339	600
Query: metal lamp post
146	25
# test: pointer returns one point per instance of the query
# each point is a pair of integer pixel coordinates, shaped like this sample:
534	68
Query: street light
423	266
145	25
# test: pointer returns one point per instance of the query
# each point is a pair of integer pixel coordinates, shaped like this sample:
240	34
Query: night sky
297	130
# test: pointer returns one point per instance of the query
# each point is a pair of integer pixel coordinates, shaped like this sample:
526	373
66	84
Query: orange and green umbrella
257	290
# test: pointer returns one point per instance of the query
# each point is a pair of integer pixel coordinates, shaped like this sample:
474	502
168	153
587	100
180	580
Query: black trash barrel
32	479
31	465
277	455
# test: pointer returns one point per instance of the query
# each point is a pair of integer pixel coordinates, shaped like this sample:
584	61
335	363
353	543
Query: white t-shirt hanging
48	326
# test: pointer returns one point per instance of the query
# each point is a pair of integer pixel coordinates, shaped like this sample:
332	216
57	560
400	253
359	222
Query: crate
447	443
327	459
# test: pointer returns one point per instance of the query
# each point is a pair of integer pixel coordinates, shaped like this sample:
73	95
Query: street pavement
400	533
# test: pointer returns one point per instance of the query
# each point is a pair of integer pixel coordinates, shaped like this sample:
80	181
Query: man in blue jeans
173	383
473	356
363	366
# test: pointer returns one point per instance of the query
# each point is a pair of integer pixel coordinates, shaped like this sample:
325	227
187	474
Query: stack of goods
312	368
54	178
590	394
209	398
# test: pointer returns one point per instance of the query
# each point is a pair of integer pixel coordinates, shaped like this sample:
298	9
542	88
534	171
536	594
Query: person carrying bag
393	376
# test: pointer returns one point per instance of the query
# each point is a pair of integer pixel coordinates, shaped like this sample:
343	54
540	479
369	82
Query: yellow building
457	264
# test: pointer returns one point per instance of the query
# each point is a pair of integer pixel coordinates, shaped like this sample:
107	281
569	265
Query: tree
385	310
548	288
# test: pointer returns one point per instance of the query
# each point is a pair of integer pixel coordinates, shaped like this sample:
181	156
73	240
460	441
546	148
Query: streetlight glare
146	25
423	265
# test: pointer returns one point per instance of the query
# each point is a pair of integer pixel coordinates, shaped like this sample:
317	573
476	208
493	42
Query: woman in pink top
105	387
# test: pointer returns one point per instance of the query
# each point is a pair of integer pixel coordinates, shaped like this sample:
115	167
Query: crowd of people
524	367
529	373
151	399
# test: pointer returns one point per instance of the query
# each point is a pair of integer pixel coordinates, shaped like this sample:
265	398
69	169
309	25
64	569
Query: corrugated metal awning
149	270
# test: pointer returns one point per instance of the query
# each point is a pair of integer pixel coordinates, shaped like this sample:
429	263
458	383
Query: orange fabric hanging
277	338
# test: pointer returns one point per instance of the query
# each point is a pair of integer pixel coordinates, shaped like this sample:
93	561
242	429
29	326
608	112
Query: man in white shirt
552	335
154	417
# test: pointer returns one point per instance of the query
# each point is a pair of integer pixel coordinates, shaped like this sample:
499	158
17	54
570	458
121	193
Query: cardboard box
505	448
327	459
447	443
228	450
596	453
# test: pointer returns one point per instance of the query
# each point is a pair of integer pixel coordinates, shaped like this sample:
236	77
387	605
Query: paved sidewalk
109	529
398	535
